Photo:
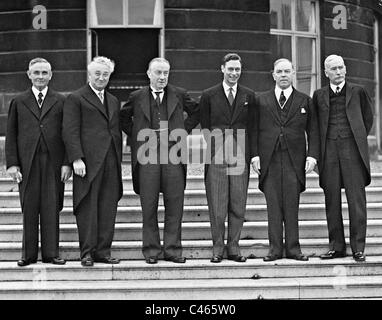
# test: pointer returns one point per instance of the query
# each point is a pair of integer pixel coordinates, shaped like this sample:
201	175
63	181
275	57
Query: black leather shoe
359	256
331	254
55	260
271	257
237	258
152	260
299	257
216	259
176	259
24	263
107	260
87	261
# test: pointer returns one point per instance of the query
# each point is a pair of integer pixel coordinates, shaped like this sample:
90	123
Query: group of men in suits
282	133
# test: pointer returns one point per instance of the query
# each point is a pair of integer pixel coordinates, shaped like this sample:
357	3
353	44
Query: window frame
294	34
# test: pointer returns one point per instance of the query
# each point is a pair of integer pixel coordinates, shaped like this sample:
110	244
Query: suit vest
283	113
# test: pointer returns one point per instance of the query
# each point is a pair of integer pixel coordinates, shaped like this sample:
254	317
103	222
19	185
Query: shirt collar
226	88
287	92
334	86
154	95
97	91
36	92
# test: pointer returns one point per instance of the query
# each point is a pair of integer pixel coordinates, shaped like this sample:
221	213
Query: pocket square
303	110
245	104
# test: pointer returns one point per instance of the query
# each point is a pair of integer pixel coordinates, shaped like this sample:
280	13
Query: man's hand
15	173
310	164
256	164
79	168
66	173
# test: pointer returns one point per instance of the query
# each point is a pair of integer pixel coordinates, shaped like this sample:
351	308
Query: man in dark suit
345	118
93	141
227	117
286	118
35	156
155	112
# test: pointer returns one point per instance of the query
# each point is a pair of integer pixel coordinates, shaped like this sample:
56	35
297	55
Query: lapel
240	99
110	106
272	105
325	95
349	93
172	101
48	103
295	104
144	102
31	103
92	98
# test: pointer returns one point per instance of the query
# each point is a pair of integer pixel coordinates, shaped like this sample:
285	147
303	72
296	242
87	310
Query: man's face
40	75
283	74
335	70
231	71
158	74
99	76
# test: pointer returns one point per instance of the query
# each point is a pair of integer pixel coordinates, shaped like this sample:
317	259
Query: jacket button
41	126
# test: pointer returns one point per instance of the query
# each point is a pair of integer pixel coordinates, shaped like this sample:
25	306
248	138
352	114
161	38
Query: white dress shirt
154	94
334	87
36	93
97	92
226	88
287	92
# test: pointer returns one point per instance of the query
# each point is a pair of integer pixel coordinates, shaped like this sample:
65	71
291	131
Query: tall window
295	35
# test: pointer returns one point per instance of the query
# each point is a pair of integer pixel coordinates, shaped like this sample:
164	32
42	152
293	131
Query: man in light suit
93	141
227	110
158	110
286	117
36	159
345	118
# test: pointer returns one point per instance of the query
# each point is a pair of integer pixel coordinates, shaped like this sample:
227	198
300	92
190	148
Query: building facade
193	35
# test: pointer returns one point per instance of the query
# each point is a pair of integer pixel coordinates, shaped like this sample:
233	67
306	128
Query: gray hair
39	60
104	61
331	58
158	60
282	60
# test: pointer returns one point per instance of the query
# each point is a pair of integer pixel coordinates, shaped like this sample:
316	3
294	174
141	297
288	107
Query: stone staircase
198	278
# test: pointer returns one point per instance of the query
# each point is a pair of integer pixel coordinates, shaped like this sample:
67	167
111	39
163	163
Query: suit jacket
25	128
301	121
215	113
135	116
360	116
88	131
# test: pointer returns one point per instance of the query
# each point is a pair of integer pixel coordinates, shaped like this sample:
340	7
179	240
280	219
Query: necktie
40	96
338	90
282	99
230	96
100	94
157	99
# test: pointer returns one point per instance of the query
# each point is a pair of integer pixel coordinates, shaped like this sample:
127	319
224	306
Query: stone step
198	197
197	289
199	249
197	213
193	182
195	231
193	269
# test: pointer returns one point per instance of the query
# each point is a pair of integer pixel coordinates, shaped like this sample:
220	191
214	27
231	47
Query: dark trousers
97	211
343	164
226	195
282	194
40	202
168	179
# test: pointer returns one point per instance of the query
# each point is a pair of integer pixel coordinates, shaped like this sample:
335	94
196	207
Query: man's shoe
107	260
237	258
87	261
176	259
216	259
331	254
24	262
271	257
359	256
299	257
152	260
55	260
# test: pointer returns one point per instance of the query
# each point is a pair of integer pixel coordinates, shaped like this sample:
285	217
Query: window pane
281	47
306	64
280	14
141	11
305	16
109	12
